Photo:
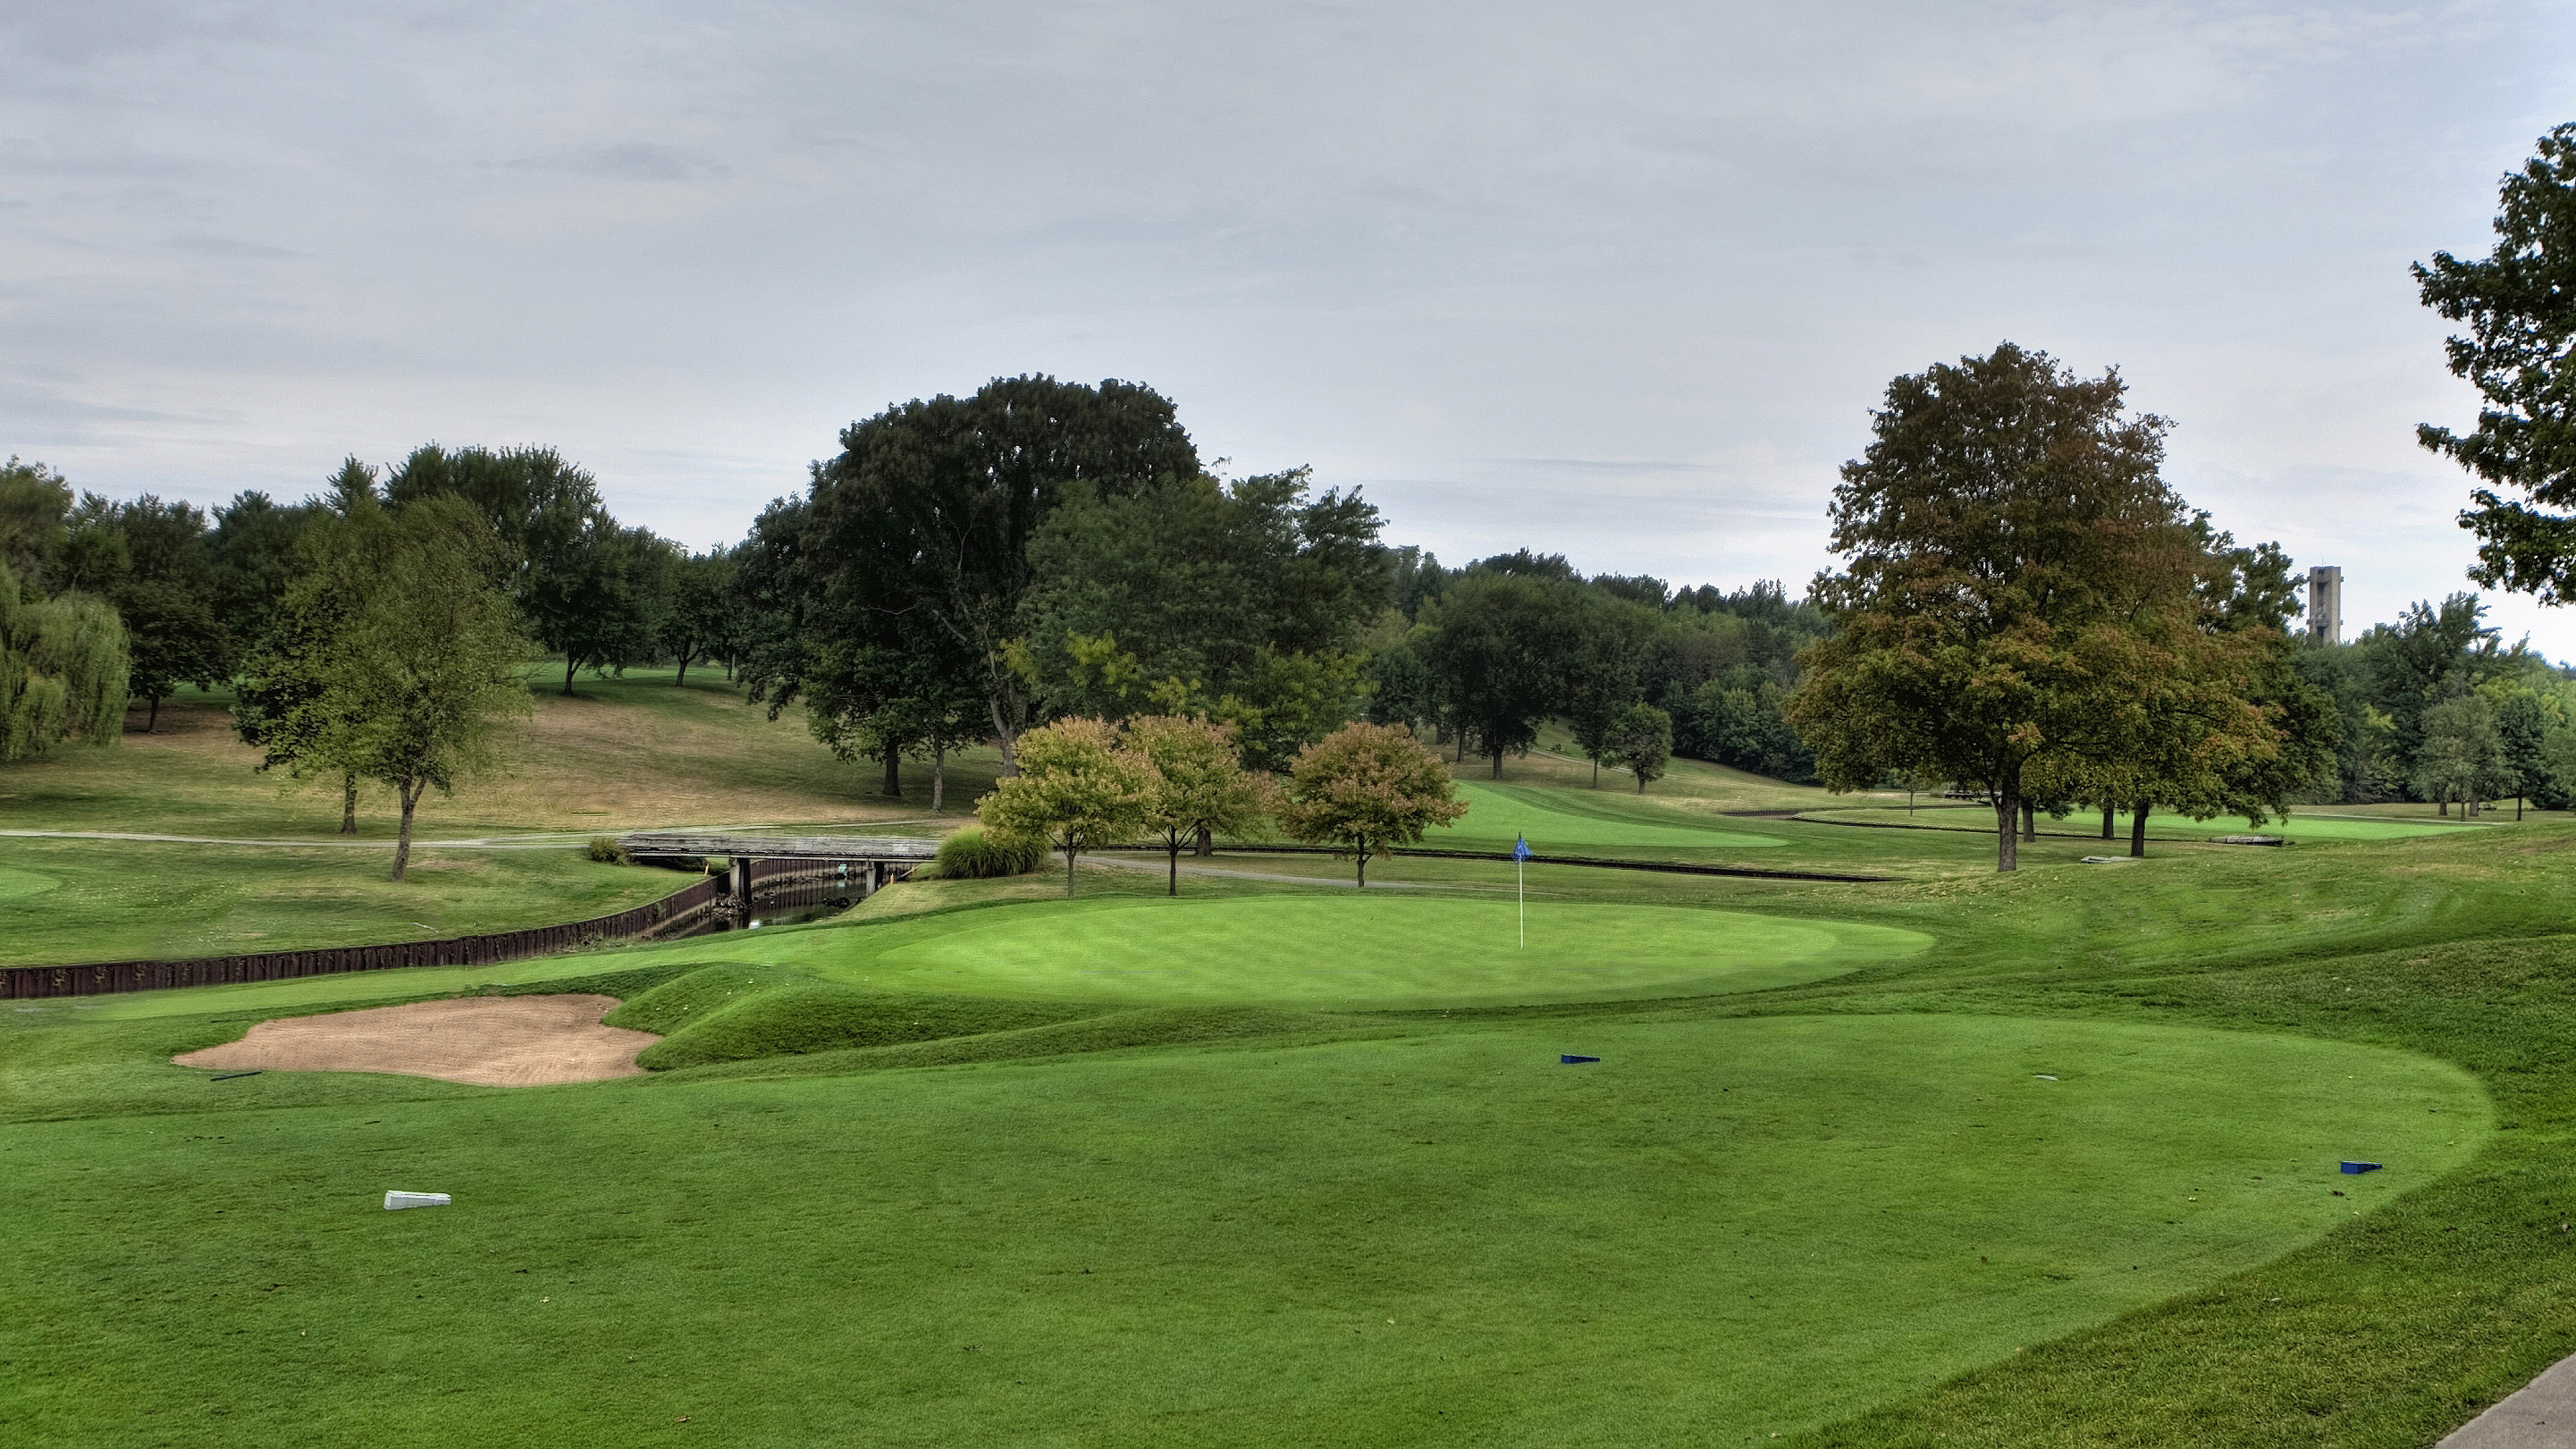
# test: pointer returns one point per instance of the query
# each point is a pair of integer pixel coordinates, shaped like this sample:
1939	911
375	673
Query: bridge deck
780	847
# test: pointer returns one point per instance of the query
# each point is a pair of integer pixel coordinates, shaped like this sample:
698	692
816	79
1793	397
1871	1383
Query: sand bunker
488	1041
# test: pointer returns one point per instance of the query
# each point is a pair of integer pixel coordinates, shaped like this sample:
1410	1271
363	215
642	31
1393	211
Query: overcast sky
1613	280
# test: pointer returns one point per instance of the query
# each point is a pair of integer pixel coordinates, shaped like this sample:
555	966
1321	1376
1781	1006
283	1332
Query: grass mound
731	1013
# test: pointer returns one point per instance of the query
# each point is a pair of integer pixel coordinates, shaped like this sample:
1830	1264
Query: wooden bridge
870	862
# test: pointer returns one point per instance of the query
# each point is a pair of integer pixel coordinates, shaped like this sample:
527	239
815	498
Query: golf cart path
2542	1415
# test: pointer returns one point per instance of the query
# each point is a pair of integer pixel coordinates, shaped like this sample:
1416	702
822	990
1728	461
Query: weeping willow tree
63	666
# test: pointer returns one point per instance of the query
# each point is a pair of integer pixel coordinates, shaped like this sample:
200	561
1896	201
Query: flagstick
1520	873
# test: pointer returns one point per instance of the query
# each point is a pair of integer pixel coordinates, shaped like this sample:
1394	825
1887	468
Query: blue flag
1520	847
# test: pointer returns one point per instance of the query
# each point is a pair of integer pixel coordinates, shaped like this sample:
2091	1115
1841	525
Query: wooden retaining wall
702	906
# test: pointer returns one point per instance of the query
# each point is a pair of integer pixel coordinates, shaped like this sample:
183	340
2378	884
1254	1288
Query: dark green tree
927	512
2003	535
698	621
588	589
1499	646
2522	728
1641	740
2520	306
1601	671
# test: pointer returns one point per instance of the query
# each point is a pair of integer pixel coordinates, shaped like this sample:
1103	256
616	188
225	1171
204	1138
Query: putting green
1559	822
1356	950
1725	1229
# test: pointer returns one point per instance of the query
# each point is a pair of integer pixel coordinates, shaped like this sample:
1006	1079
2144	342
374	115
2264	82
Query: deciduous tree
1198	786
1076	790
62	671
1368	787
2005	527
1641	742
420	678
2520	306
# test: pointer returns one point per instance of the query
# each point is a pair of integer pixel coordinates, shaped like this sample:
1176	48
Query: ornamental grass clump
976	853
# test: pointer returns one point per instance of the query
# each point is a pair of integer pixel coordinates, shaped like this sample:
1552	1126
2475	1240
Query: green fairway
1559	821
1723	1230
1326	951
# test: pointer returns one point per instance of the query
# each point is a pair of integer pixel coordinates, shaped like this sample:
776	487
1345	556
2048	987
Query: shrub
977	853
606	850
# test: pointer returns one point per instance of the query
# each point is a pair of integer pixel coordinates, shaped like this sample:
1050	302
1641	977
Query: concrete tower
2325	605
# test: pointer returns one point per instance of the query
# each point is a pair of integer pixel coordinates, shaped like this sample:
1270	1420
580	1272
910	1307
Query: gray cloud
1621	281
622	161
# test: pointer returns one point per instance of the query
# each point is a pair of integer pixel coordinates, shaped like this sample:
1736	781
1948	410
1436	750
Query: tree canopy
2519	302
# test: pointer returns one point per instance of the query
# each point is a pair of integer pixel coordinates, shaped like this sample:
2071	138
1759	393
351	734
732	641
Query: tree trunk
2441	804
1002	734
1068	872
152	716
402	841
1363	865
1207	842
1641	782
1498	764
938	777
1462	747
349	802
2138	831
1596	773
2029	822
683	681
2107	812
1172	847
894	774
2008	839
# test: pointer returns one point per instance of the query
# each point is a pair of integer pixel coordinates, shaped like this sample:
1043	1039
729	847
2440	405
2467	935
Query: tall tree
2005	526
699	620
2522	731
34	501
1169	597
588	588
283	702
1499	646
426	670
2463	755
1641	741
254	558
2520	306
928	509
1603	666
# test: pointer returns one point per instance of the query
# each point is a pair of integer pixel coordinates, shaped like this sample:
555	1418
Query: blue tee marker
1568	1060
2356	1169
